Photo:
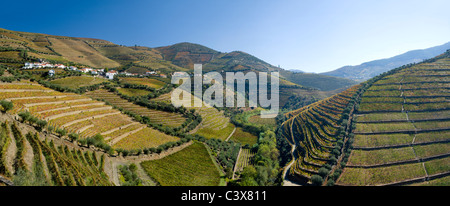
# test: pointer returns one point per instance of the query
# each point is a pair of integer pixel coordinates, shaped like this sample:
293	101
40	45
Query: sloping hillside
18	47
135	59
31	46
188	54
317	133
402	129
393	131
77	50
81	115
28	158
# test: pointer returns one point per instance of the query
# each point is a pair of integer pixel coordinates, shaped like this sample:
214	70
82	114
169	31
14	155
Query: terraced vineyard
75	82
28	159
243	137
143	81
159	117
244	159
80	114
316	133
214	123
190	167
402	133
133	92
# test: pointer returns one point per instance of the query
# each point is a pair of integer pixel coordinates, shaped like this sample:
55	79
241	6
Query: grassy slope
189	167
76	50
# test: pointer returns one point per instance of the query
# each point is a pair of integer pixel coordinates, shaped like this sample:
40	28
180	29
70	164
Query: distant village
100	72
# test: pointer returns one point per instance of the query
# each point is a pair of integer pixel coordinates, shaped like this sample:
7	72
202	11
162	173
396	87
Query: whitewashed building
51	72
111	74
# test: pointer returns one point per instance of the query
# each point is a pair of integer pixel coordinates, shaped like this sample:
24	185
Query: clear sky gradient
310	35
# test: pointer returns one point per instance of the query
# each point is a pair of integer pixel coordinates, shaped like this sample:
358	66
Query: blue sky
310	35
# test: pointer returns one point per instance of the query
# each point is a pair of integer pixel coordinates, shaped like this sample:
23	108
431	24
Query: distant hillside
296	70
19	47
187	54
371	69
319	81
16	48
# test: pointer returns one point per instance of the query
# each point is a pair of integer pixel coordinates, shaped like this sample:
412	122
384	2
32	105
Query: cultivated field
244	159
315	131
133	92
143	81
156	116
76	82
402	132
79	114
29	160
190	167
243	137
214	123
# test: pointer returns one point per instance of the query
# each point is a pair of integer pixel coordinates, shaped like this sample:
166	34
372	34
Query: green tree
323	172
25	116
73	137
6	105
41	124
316	180
248	176
330	183
61	132
33	120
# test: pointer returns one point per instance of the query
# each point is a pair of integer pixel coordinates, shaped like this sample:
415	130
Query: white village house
110	74
60	66
86	70
73	68
36	65
51	72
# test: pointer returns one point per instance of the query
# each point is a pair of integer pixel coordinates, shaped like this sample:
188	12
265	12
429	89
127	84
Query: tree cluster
32	120
226	154
265	170
129	174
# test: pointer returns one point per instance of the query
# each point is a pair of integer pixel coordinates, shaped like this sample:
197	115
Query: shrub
7	105
316	180
323	172
61	132
333	160
336	152
41	124
73	137
24	115
330	183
